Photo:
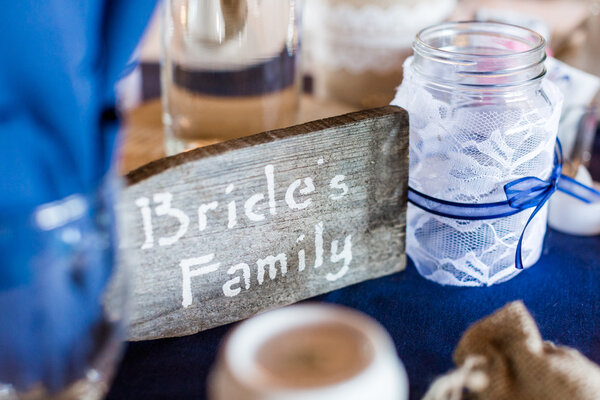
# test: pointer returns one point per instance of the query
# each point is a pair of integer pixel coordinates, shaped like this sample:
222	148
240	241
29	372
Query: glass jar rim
421	42
479	54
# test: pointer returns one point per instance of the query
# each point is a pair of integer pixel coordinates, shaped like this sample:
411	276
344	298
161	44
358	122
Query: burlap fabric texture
503	356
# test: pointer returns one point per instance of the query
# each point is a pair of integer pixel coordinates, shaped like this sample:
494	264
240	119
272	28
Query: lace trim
467	154
366	38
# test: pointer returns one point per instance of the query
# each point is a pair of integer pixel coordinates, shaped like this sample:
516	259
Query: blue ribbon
521	194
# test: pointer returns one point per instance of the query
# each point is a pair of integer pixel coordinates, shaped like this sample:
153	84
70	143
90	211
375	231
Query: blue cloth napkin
60	61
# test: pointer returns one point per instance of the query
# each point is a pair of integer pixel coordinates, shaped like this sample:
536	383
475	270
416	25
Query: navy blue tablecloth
426	320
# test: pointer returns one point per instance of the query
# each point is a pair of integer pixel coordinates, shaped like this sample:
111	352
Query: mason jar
229	69
481	115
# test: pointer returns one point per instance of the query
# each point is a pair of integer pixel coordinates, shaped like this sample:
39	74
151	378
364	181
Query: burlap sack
504	357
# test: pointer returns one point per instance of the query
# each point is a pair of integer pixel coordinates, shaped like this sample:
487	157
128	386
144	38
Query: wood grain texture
144	132
317	207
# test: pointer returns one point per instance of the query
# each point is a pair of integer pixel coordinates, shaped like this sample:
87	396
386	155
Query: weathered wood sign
220	233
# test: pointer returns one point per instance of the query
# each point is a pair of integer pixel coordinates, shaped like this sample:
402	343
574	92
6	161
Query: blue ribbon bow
521	194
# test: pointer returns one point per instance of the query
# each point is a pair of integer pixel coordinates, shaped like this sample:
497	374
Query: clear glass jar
481	115
61	333
229	69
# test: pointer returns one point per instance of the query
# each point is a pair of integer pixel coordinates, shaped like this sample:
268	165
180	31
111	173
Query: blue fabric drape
59	62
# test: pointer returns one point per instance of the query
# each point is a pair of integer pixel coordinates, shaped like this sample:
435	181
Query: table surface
426	320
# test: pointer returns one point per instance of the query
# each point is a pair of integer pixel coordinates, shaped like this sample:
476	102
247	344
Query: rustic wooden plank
222	232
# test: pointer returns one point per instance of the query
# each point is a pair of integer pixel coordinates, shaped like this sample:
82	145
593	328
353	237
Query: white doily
465	151
367	38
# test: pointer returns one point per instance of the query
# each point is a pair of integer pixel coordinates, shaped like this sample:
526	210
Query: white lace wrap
466	152
368	37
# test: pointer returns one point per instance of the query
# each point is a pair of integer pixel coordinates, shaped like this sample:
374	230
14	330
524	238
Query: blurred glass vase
229	69
60	334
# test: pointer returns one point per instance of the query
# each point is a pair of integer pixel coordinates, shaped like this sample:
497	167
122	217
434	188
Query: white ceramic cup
308	352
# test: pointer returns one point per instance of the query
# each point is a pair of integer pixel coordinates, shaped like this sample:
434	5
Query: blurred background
349	56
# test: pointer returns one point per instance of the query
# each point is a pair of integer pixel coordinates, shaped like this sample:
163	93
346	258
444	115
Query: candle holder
310	352
482	118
